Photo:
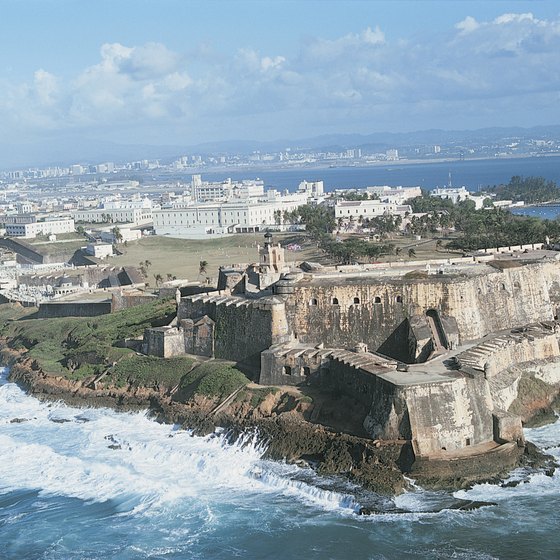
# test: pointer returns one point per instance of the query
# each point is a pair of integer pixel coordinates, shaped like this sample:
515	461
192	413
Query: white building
396	195
222	218
455	194
99	250
204	191
116	213
368	209
45	227
313	189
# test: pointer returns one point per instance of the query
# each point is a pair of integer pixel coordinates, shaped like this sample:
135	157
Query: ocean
473	174
97	484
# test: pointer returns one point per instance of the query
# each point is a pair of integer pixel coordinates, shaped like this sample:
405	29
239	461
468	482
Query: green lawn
181	257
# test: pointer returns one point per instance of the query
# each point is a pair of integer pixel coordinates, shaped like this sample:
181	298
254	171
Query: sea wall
448	416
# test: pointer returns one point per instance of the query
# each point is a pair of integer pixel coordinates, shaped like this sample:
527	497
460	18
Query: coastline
283	424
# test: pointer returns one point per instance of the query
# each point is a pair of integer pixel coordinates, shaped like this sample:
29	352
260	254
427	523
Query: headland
428	369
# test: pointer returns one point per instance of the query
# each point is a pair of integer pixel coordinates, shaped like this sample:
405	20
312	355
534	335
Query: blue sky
183	72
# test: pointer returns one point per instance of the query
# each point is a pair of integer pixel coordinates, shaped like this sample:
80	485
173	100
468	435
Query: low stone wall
124	301
74	309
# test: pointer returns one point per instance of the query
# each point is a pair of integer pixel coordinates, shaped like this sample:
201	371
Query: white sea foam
99	455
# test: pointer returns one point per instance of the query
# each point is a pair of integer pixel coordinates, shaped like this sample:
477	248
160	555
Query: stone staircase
476	358
366	361
218	299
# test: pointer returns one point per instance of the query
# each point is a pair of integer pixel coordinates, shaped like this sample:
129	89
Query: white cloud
45	87
467	25
505	19
359	78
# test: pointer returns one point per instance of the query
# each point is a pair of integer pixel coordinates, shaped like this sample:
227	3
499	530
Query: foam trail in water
547	438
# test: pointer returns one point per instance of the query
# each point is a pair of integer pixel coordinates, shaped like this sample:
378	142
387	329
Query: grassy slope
81	347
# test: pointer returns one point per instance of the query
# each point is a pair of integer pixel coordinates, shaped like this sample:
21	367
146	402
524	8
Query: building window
398	299
313	301
356	301
306	371
335	301
287	370
377	299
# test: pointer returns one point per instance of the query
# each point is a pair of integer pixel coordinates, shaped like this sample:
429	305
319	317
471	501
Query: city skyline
184	73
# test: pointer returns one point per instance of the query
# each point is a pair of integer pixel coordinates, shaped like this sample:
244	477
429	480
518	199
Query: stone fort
420	345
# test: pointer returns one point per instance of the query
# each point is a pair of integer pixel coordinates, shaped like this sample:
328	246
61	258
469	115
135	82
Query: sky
183	72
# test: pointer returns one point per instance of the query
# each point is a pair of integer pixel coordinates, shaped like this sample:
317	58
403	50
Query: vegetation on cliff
85	348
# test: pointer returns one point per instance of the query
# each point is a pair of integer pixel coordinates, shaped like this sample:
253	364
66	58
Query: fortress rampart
353	331
243	328
342	310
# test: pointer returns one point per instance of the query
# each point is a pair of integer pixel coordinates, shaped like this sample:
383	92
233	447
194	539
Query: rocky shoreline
282	421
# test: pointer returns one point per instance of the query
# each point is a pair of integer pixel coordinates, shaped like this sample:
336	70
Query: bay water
473	174
97	484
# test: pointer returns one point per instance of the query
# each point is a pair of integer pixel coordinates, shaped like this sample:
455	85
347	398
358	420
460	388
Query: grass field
181	257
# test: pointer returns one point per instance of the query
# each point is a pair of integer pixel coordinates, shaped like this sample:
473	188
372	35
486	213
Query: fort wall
343	310
243	328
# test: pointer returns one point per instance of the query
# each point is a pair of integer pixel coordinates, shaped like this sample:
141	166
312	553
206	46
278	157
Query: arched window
376	299
398	299
313	301
287	370
335	301
306	371
356	300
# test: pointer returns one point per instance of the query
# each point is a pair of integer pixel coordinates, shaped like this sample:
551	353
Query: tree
117	234
202	268
411	253
159	279
144	266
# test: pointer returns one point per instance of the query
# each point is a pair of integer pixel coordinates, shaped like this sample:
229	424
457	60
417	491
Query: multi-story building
137	211
396	195
455	194
368	209
222	218
44	227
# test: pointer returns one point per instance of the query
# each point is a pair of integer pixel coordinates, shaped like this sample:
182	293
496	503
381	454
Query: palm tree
202	268
159	279
169	277
117	234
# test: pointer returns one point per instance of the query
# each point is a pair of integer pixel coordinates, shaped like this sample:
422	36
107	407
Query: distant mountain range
72	149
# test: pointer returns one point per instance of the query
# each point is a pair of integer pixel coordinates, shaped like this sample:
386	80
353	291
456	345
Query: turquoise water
96	484
542	212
